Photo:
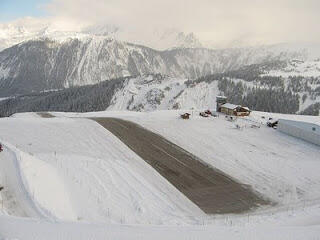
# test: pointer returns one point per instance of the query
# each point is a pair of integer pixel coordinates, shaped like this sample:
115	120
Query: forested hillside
253	86
78	99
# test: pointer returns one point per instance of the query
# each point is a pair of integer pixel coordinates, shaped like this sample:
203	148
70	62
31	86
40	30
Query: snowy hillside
260	87
62	169
151	93
298	68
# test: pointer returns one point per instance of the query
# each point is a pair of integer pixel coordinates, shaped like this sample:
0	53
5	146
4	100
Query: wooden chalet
235	110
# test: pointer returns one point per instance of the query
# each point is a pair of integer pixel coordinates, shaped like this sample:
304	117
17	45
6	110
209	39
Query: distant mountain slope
251	86
46	64
77	99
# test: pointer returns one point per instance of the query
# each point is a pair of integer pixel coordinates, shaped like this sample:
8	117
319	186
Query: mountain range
47	61
30	29
277	86
46	64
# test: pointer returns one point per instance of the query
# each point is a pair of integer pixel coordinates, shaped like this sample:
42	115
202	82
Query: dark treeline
77	99
267	99
246	86
250	73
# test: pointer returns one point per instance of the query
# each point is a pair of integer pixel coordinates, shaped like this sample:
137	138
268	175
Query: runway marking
169	155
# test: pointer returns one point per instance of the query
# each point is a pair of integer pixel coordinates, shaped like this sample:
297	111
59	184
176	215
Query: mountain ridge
43	64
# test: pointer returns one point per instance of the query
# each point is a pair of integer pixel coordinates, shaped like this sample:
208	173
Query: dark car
272	124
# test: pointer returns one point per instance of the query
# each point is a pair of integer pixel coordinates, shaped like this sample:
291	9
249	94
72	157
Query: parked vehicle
185	116
272	124
208	112
203	114
1	147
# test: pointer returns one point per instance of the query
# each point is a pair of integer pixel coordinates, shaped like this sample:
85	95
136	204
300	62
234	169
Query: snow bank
44	182
16	200
25	115
31	187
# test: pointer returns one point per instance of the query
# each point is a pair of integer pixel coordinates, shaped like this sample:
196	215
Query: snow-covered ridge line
23	30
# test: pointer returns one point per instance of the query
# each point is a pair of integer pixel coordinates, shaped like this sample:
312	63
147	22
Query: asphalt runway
210	189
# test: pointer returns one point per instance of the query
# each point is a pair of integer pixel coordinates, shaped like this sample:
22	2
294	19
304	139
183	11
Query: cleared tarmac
210	189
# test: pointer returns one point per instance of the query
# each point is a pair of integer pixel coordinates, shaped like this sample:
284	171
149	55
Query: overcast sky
221	22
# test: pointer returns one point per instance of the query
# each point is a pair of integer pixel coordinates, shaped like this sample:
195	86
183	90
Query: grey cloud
216	22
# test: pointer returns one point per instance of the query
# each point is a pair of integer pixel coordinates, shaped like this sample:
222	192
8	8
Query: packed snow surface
69	169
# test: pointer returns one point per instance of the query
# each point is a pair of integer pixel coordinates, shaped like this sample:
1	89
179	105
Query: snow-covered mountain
45	64
20	31
158	39
172	38
29	28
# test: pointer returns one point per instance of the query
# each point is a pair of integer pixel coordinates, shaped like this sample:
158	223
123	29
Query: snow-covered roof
230	106
307	126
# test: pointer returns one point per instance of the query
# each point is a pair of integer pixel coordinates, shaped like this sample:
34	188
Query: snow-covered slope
300	68
156	92
77	164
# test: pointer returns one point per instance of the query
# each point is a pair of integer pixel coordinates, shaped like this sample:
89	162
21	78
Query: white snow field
69	178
